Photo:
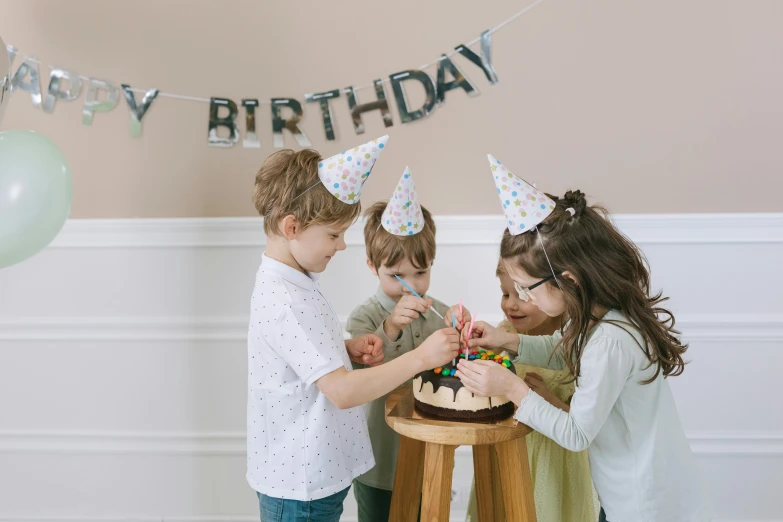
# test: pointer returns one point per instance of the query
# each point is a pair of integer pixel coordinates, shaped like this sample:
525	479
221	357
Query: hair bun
575	202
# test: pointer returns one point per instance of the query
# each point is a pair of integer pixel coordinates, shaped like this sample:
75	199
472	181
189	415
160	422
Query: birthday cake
440	393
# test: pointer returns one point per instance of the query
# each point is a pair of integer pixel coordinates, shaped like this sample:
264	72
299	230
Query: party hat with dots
403	215
344	174
524	205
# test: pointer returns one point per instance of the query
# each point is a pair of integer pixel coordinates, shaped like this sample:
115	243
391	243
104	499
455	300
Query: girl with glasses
619	344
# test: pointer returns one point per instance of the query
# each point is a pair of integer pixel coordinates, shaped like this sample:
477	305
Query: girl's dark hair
611	272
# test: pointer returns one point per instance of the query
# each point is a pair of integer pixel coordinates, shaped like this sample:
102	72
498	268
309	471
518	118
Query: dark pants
602	516
374	503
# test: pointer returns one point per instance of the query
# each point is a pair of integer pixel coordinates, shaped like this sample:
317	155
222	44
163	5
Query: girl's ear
568	275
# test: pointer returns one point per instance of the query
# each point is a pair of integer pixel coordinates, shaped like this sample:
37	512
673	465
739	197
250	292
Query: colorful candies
480	355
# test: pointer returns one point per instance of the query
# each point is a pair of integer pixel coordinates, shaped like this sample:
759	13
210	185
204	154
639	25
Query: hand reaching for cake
461	313
485	335
438	349
366	349
488	379
408	308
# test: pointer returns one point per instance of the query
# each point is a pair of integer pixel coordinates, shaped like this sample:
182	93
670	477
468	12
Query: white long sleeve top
641	462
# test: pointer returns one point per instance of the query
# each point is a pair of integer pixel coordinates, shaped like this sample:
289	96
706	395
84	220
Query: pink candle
470	331
460	321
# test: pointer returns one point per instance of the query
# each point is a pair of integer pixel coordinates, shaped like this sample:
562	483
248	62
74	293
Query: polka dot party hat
403	215
524	205
344	174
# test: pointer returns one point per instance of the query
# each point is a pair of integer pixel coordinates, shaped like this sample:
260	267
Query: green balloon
35	194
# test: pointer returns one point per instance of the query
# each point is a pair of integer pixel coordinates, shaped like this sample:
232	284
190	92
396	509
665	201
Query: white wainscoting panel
123	373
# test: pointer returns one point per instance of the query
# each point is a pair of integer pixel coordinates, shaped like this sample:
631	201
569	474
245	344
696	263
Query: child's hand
536	383
485	335
408	308
488	378
366	349
439	348
462	320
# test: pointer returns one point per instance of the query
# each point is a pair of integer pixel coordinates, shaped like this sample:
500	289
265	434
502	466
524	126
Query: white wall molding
233	443
736	443
452	230
136	328
121	443
754	328
701	228
123	362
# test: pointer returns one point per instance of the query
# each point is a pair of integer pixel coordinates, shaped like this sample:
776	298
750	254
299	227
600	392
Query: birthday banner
65	86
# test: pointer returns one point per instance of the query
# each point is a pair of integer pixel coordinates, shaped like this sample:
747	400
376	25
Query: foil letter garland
102	96
5	76
358	109
93	102
485	60
56	91
406	115
32	86
460	80
251	138
291	124
228	121
326	111
136	112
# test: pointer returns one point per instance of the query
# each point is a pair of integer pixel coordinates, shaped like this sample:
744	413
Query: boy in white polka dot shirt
307	435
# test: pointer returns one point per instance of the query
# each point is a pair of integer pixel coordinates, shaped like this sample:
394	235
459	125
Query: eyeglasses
524	293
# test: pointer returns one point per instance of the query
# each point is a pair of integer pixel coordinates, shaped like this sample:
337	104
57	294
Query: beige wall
661	106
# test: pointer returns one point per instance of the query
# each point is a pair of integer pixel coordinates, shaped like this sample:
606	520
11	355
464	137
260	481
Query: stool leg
515	480
497	489
489	499
438	471
407	481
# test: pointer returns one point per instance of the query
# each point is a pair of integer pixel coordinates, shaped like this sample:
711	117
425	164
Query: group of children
593	350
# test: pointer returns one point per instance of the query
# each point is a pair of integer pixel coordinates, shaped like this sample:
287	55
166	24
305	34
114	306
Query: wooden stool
425	464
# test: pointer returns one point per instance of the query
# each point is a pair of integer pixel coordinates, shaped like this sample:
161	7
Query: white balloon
5	78
35	194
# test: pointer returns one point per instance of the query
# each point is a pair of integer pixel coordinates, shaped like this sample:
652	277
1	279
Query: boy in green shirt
400	242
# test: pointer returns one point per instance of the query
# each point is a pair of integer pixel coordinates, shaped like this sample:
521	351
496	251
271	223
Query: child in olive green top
403	321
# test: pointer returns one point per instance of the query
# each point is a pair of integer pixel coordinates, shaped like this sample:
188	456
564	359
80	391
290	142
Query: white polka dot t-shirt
299	445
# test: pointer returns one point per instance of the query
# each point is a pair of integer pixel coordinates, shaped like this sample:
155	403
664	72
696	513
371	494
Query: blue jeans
326	509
